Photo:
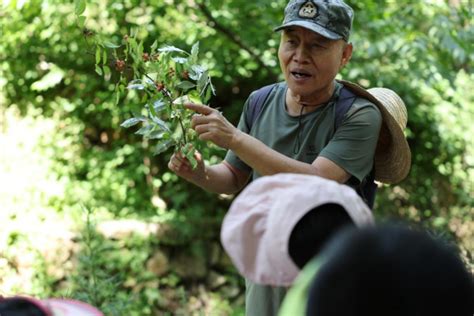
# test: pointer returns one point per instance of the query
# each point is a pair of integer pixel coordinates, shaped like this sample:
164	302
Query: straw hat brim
392	157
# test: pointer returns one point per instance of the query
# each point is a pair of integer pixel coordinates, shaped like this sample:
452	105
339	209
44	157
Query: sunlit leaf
167	49
51	79
161	147
162	124
98	70
145	130
180	60
98	55
80	6
132	121
81	21
185	85
111	45
159	105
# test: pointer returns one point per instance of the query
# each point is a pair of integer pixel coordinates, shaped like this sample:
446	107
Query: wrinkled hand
212	126
180	165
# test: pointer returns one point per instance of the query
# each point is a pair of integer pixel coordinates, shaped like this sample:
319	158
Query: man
295	131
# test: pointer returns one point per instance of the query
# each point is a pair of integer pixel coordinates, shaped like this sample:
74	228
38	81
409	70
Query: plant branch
231	35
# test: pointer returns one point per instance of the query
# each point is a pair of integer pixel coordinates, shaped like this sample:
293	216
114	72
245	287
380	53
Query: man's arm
267	161
219	178
212	126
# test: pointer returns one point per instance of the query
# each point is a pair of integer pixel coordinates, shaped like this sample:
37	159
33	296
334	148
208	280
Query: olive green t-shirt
304	138
351	147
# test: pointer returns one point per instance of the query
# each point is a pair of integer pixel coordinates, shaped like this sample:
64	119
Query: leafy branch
165	78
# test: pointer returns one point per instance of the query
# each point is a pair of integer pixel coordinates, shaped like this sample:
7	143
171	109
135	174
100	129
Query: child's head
390	271
279	222
26	306
314	229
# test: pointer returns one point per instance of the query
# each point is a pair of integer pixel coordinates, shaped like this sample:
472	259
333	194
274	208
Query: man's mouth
300	74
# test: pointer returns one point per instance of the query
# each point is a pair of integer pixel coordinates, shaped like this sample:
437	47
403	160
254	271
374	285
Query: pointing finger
199	108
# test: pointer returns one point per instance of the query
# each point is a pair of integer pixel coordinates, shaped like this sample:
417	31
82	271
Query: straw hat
392	155
256	230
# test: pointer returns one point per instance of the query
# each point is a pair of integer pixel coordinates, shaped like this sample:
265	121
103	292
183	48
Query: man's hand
211	125
180	165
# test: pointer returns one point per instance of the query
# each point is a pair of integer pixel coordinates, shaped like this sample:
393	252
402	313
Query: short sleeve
230	156
353	145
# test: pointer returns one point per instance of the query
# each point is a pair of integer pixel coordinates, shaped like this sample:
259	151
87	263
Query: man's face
309	61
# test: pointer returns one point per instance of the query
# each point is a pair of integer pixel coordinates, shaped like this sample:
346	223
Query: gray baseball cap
329	18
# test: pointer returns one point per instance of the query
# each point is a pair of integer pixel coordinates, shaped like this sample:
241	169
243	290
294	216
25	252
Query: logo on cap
308	10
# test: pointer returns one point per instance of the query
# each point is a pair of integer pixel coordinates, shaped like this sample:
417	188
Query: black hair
390	271
313	230
17	306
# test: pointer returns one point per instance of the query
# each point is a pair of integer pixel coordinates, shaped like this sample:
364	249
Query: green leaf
111	45
136	86
98	55
180	60
168	49
132	121
195	51
202	82
185	85
189	152
160	123
80	6
81	21
98	70
51	79
117	98
104	57
156	135
107	72
154	46
158	105
161	147
207	95
145	130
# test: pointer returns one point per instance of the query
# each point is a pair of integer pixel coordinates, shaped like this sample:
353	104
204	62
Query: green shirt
296	300
351	147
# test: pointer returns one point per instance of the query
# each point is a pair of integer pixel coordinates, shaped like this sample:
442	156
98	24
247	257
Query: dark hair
313	230
18	306
390	270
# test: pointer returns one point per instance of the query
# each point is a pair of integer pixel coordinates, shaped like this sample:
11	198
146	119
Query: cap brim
312	27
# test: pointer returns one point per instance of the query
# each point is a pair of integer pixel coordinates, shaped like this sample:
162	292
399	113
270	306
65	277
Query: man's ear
346	54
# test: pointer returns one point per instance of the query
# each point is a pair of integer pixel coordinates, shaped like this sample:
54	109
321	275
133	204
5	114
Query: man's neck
310	103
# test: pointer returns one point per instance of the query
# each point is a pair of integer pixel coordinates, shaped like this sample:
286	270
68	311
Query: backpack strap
256	104
366	189
343	104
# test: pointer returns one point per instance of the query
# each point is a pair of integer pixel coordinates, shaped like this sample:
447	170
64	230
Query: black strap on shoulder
367	188
256	104
344	103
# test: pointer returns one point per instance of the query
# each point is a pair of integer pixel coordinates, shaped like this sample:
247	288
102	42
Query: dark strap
344	103
256	104
367	188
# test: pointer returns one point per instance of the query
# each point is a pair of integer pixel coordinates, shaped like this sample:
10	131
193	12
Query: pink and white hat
257	228
67	307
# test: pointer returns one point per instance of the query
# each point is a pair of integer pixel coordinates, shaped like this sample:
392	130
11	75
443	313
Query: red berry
159	86
120	65
146	57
